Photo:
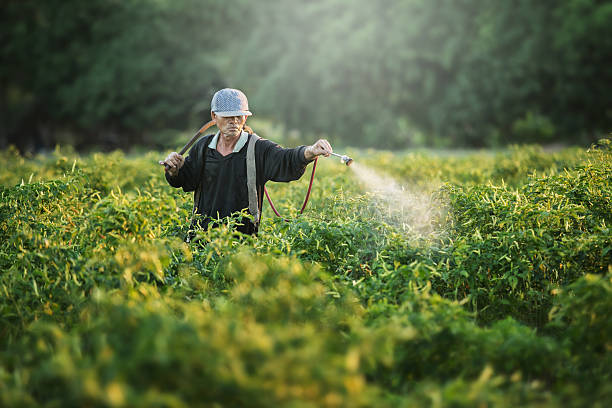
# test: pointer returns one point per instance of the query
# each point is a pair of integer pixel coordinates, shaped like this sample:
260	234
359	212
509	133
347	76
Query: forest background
388	74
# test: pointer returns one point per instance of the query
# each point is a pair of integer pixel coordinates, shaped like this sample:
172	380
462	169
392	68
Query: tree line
389	74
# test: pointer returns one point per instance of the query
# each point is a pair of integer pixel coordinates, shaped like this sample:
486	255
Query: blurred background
108	74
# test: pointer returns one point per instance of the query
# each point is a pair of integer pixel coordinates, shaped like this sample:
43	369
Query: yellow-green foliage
103	304
510	167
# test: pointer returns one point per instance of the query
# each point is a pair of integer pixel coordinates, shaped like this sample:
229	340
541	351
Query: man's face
230	126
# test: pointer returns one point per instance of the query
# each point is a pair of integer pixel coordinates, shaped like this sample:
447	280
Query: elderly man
218	166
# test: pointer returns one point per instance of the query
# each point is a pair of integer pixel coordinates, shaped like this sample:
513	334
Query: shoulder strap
252	178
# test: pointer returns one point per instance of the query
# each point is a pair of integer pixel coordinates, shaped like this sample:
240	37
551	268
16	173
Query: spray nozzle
343	159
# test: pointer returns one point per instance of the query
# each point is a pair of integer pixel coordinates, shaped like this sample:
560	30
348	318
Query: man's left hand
320	148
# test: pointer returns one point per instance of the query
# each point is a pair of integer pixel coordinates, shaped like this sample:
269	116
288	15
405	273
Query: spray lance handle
343	158
193	140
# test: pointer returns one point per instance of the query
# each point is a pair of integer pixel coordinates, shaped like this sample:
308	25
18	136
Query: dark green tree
386	74
110	72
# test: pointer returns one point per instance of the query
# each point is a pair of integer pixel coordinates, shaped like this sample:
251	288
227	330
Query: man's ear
213	115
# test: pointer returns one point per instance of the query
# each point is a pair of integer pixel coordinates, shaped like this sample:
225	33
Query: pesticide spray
416	211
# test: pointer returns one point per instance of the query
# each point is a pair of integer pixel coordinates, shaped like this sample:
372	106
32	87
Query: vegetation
508	304
392	75
105	72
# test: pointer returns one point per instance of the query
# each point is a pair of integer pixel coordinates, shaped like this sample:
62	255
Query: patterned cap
230	102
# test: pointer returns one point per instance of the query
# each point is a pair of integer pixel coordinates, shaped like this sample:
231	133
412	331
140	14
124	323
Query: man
216	168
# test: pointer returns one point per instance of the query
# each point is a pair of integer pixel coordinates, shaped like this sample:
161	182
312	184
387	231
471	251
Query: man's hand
173	163
320	148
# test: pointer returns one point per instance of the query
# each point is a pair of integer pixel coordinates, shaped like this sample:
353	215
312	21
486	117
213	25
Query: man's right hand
173	163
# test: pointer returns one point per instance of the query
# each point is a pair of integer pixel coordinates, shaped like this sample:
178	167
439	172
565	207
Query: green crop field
414	279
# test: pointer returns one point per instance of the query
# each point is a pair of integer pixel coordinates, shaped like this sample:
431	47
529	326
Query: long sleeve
276	163
188	175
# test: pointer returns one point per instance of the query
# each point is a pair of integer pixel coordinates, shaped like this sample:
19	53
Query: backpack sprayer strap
252	179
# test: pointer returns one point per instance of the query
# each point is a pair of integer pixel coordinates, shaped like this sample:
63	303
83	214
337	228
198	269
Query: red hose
314	167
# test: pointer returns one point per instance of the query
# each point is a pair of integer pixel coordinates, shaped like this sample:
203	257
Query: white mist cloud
413	210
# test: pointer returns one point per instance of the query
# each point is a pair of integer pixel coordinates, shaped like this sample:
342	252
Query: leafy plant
103	303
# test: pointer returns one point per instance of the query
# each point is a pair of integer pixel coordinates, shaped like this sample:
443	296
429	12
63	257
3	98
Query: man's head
230	108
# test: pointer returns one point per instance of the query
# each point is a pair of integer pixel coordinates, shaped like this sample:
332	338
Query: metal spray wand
343	158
